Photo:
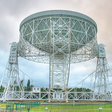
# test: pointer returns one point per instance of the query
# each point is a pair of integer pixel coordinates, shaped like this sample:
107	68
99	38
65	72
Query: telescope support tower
101	75
12	73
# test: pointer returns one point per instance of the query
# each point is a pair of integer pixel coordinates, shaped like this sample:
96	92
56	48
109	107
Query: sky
12	12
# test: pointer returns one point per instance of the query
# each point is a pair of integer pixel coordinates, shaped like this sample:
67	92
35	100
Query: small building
36	90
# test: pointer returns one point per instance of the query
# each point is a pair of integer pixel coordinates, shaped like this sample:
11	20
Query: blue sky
12	12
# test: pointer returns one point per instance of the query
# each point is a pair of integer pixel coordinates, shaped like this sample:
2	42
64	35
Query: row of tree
29	87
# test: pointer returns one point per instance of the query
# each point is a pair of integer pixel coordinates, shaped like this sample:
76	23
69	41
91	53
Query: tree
29	87
2	88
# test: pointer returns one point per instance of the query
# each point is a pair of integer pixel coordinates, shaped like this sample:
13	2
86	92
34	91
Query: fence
21	106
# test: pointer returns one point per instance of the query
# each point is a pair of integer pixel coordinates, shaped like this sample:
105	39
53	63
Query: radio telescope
58	38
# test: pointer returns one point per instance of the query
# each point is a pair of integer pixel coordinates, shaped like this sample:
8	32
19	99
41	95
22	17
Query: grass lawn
67	107
2	107
73	108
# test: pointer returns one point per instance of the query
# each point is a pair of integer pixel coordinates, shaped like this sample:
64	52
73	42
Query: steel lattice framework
59	38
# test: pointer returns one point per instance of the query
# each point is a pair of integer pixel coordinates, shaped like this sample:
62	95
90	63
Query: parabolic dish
47	32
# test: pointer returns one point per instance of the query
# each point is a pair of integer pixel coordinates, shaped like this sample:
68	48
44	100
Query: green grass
2	107
69	107
73	108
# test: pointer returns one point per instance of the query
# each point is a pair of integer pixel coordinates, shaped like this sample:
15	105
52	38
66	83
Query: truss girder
87	96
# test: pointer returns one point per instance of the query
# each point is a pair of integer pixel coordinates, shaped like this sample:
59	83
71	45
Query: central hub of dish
63	35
